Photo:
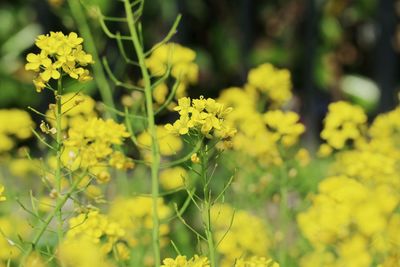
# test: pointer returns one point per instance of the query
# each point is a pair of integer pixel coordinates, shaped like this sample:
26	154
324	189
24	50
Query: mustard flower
81	252
58	54
285	126
180	58
173	178
274	83
238	239
206	116
183	68
134	215
2	197
168	143
76	109
256	262
343	122
96	228
181	261
15	125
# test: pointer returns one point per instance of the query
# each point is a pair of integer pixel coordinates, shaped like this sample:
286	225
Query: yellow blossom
2	197
273	82
173	178
59	54
256	262
181	261
343	122
285	126
15	125
206	116
81	252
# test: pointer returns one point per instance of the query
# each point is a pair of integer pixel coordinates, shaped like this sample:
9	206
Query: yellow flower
90	144
179	58
2	198
35	61
181	261
206	116
96	228
15	125
342	123
238	239
81	252
134	215
256	262
168	143
275	83
285	126
59	53
173	178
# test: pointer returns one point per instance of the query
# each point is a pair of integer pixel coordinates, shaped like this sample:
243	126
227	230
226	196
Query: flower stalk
59	147
155	162
207	205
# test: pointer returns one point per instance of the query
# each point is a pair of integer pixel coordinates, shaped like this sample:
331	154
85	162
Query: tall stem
207	206
90	46
155	162
58	174
283	209
45	224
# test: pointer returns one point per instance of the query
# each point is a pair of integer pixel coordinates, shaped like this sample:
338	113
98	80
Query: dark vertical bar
310	46
247	16
386	60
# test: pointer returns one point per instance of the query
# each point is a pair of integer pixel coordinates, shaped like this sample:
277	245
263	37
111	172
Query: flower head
59	54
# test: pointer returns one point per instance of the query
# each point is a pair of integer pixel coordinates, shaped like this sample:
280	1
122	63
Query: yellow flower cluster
343	214
206	116
179	58
90	146
259	134
183	68
58	53
76	108
15	124
353	220
182	261
285	126
245	231
256	262
81	252
344	122
274	83
134	215
2	197
96	228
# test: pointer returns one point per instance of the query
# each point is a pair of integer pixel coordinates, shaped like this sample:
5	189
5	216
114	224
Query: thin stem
59	205
206	211
284	207
155	164
59	152
84	30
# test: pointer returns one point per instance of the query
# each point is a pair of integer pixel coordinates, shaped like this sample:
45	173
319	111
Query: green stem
155	163
283	209
59	205
99	74
58	174
207	206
